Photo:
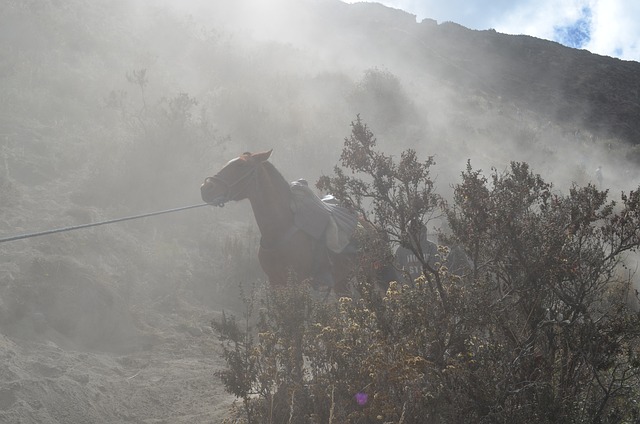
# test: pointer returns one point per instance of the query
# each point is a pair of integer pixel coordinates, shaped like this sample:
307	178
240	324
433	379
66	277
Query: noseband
229	186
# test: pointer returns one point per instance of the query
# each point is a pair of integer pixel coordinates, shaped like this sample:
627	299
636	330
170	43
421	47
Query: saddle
331	226
322	218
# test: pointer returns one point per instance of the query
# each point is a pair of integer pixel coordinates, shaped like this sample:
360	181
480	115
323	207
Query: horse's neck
270	204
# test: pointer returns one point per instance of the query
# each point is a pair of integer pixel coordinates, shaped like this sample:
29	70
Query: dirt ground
164	375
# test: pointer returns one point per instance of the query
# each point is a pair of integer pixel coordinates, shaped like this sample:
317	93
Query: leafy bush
538	331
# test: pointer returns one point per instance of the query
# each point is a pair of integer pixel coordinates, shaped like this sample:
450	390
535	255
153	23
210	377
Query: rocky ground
166	374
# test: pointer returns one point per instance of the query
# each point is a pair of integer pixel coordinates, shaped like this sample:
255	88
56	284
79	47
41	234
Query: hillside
111	108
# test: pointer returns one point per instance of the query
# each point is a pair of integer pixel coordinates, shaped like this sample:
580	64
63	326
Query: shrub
537	331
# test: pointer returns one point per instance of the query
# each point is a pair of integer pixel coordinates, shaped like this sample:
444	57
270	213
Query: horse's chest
296	256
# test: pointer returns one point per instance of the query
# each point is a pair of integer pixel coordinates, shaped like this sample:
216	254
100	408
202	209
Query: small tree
554	338
397	198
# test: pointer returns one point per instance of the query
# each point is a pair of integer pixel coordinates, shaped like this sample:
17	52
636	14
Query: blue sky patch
576	35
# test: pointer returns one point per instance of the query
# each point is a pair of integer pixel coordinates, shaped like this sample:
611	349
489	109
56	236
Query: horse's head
235	180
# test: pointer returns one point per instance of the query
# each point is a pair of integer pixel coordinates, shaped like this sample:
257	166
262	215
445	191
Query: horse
285	250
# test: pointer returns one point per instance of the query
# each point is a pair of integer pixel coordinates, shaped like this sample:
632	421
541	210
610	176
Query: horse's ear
262	156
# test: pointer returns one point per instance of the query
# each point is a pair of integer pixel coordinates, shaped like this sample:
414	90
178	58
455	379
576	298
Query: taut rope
95	224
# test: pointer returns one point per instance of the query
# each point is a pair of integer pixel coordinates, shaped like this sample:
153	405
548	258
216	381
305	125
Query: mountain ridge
547	75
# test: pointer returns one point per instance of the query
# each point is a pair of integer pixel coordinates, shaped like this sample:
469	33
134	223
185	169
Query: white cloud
614	28
538	19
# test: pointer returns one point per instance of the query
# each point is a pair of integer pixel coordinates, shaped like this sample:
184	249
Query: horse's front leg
277	272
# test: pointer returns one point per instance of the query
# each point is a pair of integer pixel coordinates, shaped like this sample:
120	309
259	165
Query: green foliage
552	296
266	371
400	195
398	198
538	331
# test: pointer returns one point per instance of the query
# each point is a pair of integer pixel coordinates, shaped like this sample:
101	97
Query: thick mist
114	108
292	76
124	107
315	65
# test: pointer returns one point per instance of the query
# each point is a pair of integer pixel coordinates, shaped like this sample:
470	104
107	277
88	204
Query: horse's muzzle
211	193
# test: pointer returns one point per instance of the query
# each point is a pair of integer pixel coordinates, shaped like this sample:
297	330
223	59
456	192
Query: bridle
231	193
229	185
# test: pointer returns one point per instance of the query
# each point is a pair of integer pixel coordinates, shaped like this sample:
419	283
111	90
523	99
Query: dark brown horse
284	248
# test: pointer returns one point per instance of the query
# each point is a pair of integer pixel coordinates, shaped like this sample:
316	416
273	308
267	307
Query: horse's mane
278	180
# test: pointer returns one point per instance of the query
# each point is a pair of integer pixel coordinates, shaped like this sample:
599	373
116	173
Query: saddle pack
330	225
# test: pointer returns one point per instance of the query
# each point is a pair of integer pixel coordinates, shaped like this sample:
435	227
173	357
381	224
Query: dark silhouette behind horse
285	249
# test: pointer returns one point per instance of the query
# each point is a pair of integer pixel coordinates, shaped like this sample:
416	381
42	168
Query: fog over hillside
466	94
115	107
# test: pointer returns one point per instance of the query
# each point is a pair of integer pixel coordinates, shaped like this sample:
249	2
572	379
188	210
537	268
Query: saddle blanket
322	219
